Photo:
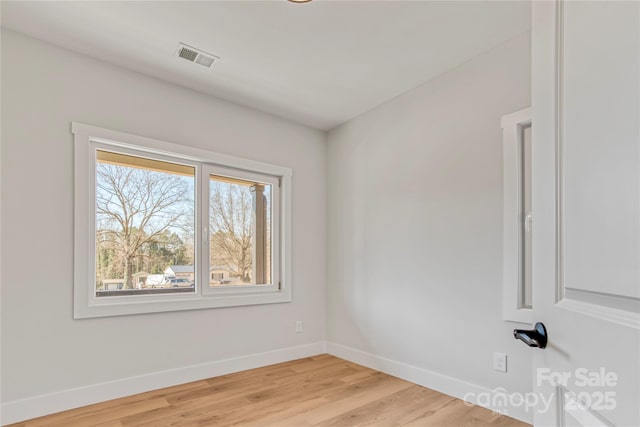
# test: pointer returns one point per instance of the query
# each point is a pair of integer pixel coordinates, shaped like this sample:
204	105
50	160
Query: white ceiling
319	63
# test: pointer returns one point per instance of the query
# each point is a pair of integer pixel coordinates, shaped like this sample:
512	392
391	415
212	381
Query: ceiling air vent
192	54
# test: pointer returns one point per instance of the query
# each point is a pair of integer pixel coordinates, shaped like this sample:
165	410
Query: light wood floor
316	391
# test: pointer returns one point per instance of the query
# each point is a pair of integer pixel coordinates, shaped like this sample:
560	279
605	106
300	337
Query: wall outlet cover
500	362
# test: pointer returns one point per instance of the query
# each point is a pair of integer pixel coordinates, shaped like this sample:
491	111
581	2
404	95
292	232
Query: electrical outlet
500	362
298	326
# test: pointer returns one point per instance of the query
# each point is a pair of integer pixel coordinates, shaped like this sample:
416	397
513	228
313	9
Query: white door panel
586	210
600	150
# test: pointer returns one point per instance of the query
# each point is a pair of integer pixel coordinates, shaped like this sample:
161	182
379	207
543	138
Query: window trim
86	138
512	133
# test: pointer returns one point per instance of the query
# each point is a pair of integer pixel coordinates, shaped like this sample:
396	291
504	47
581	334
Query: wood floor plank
115	423
390	409
221	406
103	415
273	400
361	374
347	402
318	391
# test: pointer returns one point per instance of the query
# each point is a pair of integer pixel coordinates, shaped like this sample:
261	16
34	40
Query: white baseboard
445	384
37	406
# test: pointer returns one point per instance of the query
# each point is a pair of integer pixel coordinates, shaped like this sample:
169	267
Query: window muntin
138	152
145	223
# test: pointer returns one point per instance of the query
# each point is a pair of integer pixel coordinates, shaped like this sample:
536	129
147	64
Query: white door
586	211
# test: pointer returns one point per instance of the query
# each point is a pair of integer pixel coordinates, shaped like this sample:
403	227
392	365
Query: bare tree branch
231	216
135	206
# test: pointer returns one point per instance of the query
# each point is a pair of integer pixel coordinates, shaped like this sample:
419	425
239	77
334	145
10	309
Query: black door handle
536	337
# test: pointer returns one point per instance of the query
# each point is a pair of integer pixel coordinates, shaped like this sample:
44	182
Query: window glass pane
145	226
239	232
526	291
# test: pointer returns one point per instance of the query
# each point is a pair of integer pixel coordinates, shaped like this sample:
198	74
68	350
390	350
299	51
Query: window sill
115	306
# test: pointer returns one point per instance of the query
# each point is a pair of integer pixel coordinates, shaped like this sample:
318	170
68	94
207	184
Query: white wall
415	224
44	350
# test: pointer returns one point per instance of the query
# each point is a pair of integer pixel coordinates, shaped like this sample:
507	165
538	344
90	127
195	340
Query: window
517	217
162	227
240	229
144	217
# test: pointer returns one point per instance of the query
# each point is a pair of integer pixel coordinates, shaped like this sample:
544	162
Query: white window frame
86	305
512	133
